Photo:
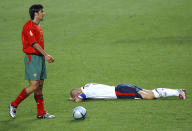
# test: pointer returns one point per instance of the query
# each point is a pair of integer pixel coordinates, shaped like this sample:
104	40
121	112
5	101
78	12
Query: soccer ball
79	113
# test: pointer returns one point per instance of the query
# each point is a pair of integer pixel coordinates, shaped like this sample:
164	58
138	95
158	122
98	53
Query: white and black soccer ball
79	113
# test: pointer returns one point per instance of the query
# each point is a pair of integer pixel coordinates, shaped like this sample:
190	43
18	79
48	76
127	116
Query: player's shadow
11	124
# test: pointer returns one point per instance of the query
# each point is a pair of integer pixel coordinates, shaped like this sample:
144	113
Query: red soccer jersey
32	33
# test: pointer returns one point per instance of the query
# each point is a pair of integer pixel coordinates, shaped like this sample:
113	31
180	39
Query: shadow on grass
14	124
9	123
77	121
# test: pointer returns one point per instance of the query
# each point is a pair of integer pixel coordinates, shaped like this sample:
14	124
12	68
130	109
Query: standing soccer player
35	56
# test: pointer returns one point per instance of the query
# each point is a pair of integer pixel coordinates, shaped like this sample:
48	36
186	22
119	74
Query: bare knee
39	90
34	85
147	94
148	97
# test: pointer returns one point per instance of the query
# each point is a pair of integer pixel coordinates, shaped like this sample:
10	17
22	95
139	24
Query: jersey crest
31	33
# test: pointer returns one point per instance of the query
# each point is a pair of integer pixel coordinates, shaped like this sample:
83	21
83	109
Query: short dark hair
34	8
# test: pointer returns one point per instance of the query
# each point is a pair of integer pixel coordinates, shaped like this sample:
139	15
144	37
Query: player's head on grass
74	93
36	11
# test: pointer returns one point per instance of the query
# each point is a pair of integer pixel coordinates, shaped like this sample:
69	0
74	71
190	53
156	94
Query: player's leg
165	92
33	85
146	94
38	96
14	104
34	66
31	75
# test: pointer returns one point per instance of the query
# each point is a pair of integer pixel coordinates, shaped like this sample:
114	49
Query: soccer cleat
46	116
182	94
12	111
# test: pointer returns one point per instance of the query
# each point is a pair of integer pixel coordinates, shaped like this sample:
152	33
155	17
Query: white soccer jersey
98	91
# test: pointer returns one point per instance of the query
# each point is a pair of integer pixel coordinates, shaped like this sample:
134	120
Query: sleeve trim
82	96
33	43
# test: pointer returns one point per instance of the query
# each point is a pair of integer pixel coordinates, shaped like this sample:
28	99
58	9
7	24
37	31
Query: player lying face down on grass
122	91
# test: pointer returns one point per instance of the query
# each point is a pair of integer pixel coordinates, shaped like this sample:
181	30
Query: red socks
40	104
38	99
20	98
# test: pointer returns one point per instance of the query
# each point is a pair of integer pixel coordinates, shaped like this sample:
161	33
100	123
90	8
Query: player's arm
29	32
77	99
49	58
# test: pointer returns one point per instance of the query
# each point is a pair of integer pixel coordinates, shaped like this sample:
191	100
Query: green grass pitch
143	42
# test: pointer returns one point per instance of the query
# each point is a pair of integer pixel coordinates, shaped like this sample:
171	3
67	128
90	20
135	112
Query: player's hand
49	58
71	99
77	99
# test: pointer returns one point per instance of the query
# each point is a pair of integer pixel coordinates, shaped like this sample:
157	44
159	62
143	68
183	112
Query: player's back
99	91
